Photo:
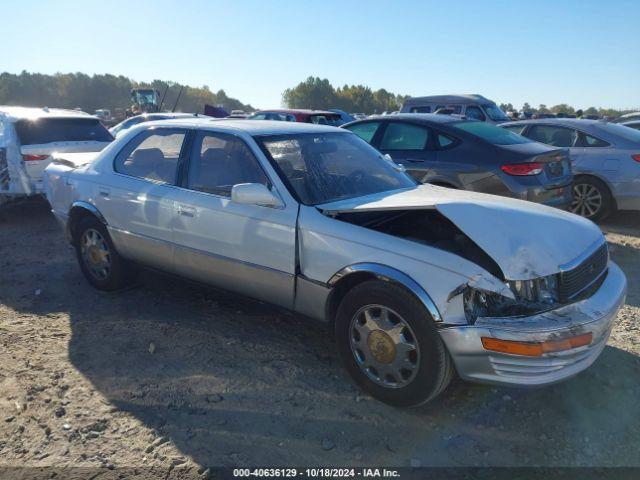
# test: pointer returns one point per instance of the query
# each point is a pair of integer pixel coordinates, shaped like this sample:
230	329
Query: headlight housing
531	297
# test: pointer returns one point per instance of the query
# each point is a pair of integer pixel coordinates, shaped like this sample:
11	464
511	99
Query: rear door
137	199
245	248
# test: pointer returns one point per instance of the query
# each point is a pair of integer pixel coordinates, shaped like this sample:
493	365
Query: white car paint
515	233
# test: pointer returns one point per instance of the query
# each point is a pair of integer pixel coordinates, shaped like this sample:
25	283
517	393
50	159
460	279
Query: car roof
567	122
304	111
472	97
415	117
252	127
32	113
594	127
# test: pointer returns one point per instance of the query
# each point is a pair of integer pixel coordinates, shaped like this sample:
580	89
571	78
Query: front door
245	248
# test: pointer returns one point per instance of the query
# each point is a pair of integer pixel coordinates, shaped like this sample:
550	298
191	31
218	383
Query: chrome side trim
388	274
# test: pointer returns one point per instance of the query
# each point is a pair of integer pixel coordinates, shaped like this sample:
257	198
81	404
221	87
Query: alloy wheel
587	200
384	346
96	254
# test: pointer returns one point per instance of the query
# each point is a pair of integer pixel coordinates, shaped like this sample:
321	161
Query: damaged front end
517	298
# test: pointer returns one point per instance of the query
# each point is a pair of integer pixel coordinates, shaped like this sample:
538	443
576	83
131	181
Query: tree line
566	109
319	94
92	92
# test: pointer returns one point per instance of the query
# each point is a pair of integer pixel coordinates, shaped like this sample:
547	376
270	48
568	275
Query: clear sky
581	52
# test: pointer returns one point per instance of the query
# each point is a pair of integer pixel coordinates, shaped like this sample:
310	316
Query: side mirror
254	194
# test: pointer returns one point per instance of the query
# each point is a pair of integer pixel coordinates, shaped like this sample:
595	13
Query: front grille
577	279
4	170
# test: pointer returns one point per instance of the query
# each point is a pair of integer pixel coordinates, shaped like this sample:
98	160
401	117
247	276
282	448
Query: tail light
32	158
636	157
522	169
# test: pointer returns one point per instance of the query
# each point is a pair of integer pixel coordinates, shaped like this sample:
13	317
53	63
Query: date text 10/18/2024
316	473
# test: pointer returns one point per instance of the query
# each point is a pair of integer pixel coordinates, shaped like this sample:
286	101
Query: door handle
186	211
104	192
414	160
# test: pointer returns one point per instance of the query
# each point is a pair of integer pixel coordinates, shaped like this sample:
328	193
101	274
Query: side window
404	136
474	113
152	155
456	109
514	128
365	131
585	140
444	141
220	161
552	135
425	109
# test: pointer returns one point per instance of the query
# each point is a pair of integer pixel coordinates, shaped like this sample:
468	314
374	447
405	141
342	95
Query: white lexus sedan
417	281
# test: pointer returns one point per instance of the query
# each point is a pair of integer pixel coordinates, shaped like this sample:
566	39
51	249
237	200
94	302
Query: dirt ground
178	376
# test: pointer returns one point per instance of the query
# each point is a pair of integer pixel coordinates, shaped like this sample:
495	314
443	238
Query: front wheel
390	346
99	261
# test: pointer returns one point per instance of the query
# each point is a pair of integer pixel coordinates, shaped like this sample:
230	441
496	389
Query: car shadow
232	381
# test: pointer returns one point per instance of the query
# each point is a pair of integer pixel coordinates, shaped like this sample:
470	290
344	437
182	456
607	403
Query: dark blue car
454	152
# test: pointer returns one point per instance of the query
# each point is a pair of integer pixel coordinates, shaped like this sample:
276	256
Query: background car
475	107
320	117
30	136
627	117
632	124
605	159
446	150
146	117
344	116
275	116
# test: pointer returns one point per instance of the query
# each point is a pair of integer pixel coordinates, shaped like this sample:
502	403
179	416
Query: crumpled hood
525	239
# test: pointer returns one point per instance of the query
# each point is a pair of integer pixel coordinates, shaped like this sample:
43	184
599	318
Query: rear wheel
390	346
591	198
99	261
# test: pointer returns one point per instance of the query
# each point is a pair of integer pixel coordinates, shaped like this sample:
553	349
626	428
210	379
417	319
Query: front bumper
595	314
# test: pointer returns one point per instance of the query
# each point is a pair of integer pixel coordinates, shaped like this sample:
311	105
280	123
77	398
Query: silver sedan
417	281
605	158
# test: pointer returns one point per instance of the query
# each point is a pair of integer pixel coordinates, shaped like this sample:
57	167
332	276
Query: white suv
30	136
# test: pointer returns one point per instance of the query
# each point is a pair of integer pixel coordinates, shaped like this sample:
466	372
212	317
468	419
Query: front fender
387	274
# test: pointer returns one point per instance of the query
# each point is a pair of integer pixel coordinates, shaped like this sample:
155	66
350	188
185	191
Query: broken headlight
529	297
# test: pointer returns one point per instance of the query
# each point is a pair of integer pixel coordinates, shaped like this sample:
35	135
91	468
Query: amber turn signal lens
533	349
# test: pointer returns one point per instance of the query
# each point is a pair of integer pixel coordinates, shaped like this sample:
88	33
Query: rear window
490	133
627	133
49	130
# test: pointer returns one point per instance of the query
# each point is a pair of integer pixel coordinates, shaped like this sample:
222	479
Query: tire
117	272
429	368
591	198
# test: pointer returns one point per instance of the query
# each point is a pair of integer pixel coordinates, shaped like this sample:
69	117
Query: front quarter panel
328	245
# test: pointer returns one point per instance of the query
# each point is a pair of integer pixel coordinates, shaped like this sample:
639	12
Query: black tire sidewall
433	355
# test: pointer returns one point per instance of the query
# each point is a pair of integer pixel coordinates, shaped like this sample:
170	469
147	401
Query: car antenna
177	99
163	95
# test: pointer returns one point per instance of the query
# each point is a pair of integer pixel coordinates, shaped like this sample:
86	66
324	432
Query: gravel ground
176	376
